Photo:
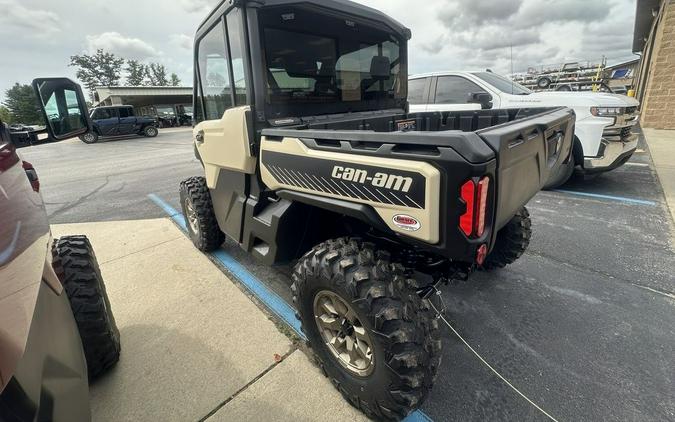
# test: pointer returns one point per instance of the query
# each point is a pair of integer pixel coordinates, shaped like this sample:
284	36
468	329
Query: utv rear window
331	65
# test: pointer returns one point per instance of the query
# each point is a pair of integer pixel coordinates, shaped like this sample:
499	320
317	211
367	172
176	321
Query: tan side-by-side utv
311	158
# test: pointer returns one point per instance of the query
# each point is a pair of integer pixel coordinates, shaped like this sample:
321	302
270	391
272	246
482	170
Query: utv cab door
223	117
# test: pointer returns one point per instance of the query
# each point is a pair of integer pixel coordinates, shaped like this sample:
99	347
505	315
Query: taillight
474	195
466	220
32	175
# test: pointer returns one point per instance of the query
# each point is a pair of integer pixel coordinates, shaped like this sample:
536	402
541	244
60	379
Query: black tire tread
406	323
512	241
209	237
75	263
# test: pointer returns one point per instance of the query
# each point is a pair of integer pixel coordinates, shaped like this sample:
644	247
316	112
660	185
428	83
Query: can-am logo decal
379	180
406	222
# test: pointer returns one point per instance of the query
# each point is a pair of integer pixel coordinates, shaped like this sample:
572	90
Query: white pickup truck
603	132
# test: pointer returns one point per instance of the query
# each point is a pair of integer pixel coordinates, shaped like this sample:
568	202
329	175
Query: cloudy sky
39	36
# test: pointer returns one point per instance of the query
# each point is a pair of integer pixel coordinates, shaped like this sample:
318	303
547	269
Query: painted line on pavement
637	164
610	197
271	300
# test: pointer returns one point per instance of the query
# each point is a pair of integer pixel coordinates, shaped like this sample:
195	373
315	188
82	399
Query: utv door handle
199	137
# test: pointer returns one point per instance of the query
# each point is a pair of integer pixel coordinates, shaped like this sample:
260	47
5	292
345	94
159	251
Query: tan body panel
225	145
428	216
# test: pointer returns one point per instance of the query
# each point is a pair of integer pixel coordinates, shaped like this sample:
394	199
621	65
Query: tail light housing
475	195
32	176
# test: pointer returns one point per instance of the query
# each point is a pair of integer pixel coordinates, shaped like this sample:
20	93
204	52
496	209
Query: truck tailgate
528	150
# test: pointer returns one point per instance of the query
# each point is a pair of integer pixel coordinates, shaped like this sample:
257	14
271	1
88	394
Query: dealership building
162	101
654	40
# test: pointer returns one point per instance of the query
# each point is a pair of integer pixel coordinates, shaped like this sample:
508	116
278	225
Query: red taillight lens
474	195
467	193
482	205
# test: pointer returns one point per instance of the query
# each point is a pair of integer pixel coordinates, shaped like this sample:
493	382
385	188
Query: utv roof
345	6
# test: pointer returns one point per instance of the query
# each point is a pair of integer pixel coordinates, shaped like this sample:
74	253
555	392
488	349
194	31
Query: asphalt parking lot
582	327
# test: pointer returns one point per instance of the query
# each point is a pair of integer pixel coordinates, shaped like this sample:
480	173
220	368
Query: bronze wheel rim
343	333
191	215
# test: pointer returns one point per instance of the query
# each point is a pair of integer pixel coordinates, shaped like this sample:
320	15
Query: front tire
200	218
543	83
89	138
512	241
375	338
150	131
75	263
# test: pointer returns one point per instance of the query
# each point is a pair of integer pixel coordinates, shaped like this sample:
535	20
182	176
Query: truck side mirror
482	98
63	107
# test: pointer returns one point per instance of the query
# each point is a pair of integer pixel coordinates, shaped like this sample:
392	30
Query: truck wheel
373	336
75	263
89	138
150	131
543	82
512	241
561	176
200	218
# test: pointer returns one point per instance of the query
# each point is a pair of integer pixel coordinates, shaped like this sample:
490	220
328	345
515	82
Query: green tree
135	73
5	115
22	104
99	69
157	74
175	80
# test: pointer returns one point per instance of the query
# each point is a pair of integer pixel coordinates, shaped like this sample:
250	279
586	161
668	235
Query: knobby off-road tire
150	131
401	326
200	218
75	263
89	138
512	241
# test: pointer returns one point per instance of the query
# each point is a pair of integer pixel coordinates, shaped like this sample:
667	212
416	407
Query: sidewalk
194	346
662	147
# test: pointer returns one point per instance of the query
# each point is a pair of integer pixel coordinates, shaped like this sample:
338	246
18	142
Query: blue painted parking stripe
610	197
271	300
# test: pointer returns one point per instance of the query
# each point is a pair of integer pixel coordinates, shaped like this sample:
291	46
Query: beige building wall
658	108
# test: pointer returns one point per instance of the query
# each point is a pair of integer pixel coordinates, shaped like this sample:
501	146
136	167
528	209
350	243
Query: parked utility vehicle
311	157
603	137
56	325
118	121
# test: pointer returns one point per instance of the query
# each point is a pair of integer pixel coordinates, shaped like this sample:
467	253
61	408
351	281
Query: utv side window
236	47
454	90
214	73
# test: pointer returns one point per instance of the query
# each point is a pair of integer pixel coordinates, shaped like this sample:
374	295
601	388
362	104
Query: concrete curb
662	148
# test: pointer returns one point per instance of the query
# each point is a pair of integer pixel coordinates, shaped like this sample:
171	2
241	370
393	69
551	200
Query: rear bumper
613	154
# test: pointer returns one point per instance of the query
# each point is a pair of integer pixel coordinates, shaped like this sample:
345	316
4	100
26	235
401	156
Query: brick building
654	40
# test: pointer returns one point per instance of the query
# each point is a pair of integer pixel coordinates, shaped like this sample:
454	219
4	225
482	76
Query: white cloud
182	41
127	47
197	6
31	22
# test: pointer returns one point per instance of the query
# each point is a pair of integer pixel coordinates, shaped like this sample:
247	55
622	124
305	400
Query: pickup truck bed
517	148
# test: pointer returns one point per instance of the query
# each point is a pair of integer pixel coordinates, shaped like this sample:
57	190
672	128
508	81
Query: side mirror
63	106
482	98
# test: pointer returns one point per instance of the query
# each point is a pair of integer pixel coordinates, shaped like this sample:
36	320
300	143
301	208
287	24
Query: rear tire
77	268
150	131
200	217
512	241
89	138
398	327
562	176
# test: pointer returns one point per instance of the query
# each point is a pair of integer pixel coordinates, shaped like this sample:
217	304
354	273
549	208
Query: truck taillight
474	195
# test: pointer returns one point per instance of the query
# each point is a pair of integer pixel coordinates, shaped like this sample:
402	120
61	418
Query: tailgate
528	150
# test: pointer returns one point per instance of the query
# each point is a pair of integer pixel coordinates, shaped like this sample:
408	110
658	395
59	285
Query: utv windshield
314	59
503	84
